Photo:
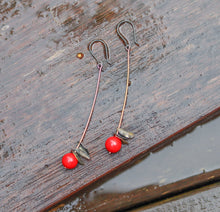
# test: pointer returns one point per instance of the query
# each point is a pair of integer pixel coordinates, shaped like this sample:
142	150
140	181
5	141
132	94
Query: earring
70	160
113	144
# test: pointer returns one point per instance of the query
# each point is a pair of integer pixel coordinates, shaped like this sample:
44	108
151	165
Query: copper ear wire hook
113	143
106	51
128	48
99	66
70	160
124	39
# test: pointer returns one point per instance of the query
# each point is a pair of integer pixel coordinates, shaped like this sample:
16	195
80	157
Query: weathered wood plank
148	194
147	179
204	199
46	92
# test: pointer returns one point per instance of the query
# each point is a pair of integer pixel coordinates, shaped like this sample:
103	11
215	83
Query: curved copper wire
99	66
128	49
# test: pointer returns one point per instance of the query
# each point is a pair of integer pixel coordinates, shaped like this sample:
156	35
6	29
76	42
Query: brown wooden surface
170	171
203	199
46	91
147	194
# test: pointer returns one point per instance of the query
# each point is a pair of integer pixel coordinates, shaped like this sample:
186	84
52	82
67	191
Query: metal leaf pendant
82	151
78	157
125	134
122	140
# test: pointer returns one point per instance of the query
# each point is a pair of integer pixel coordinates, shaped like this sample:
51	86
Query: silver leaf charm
82	151
78	157
125	134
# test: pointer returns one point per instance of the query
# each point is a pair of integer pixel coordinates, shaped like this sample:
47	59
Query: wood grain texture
203	199
147	194
46	91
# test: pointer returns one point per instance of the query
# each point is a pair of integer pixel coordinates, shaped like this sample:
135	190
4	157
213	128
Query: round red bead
113	144
69	161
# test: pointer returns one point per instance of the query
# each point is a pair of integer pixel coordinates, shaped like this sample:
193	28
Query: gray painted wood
46	91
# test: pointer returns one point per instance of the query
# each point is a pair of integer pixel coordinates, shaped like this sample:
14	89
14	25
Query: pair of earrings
113	144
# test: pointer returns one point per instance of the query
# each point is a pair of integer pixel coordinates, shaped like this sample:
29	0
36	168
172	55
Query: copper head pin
70	160
113	144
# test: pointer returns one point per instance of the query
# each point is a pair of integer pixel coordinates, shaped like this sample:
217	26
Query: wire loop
124	39
106	51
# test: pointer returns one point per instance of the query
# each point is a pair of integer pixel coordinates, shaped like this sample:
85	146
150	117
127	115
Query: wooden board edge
203	119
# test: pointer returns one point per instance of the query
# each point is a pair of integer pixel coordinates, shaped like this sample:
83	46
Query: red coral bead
113	144
69	161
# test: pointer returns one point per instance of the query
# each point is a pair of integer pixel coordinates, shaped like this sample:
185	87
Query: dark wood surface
162	175
203	199
46	91
149	194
